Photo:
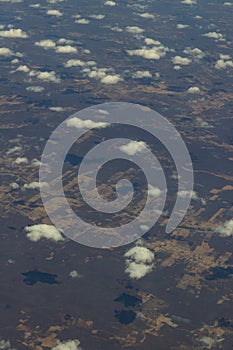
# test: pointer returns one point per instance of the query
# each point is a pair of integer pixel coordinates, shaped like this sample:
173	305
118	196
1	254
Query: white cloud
154	191
21	160
228	3
182	26
14	186
46	44
193	90
116	29
183	61
195	53
5	344
35	88
35	162
75	274
66	49
56	109
226	229
98	16
214	35
224	62
13	33
46	76
146	15
14	149
56	13
202	123
82	21
110	3
134	30
23	68
84	124
35	185
139	262
4	51
185	194
133	147
189	2
37	232
142	74
152	53
111	79
78	63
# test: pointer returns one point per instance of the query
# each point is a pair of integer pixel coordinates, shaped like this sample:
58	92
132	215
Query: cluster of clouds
153	50
46	76
214	35
226	229
104	75
40	231
195	54
139	262
224	62
61	46
13	33
5	345
67	345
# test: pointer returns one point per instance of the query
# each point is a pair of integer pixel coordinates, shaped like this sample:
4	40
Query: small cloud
37	232
194	90
66	49
226	229
111	79
68	345
142	74
4	51
133	147
35	162
35	88
23	68
186	194
202	123
146	15
139	262
35	185
85	124
224	62
75	274
189	2
56	13
46	44
46	76
13	33
214	35
154	191
110	3
82	21
14	149
21	160
56	109
134	30
182	61
14	186
5	345
182	26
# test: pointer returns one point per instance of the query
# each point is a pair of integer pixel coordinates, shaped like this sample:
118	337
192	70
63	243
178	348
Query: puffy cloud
35	88
183	61
226	229
228	3
56	13
23	68
82	21
46	76
133	147
66	49
35	162
142	74
37	232
224	62
14	186
146	15
185	194
4	51
46	44
196	53
134	30
13	33
5	345
193	90
68	345
110	3
202	123
152	53
75	274
116	29
214	35
21	160
56	109
189	2
65	41
14	149
182	26
97	16
111	79
78	63
35	185
154	191
139	262
84	124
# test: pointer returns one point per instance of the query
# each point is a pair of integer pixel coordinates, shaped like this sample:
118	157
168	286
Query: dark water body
128	300
32	277
125	316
